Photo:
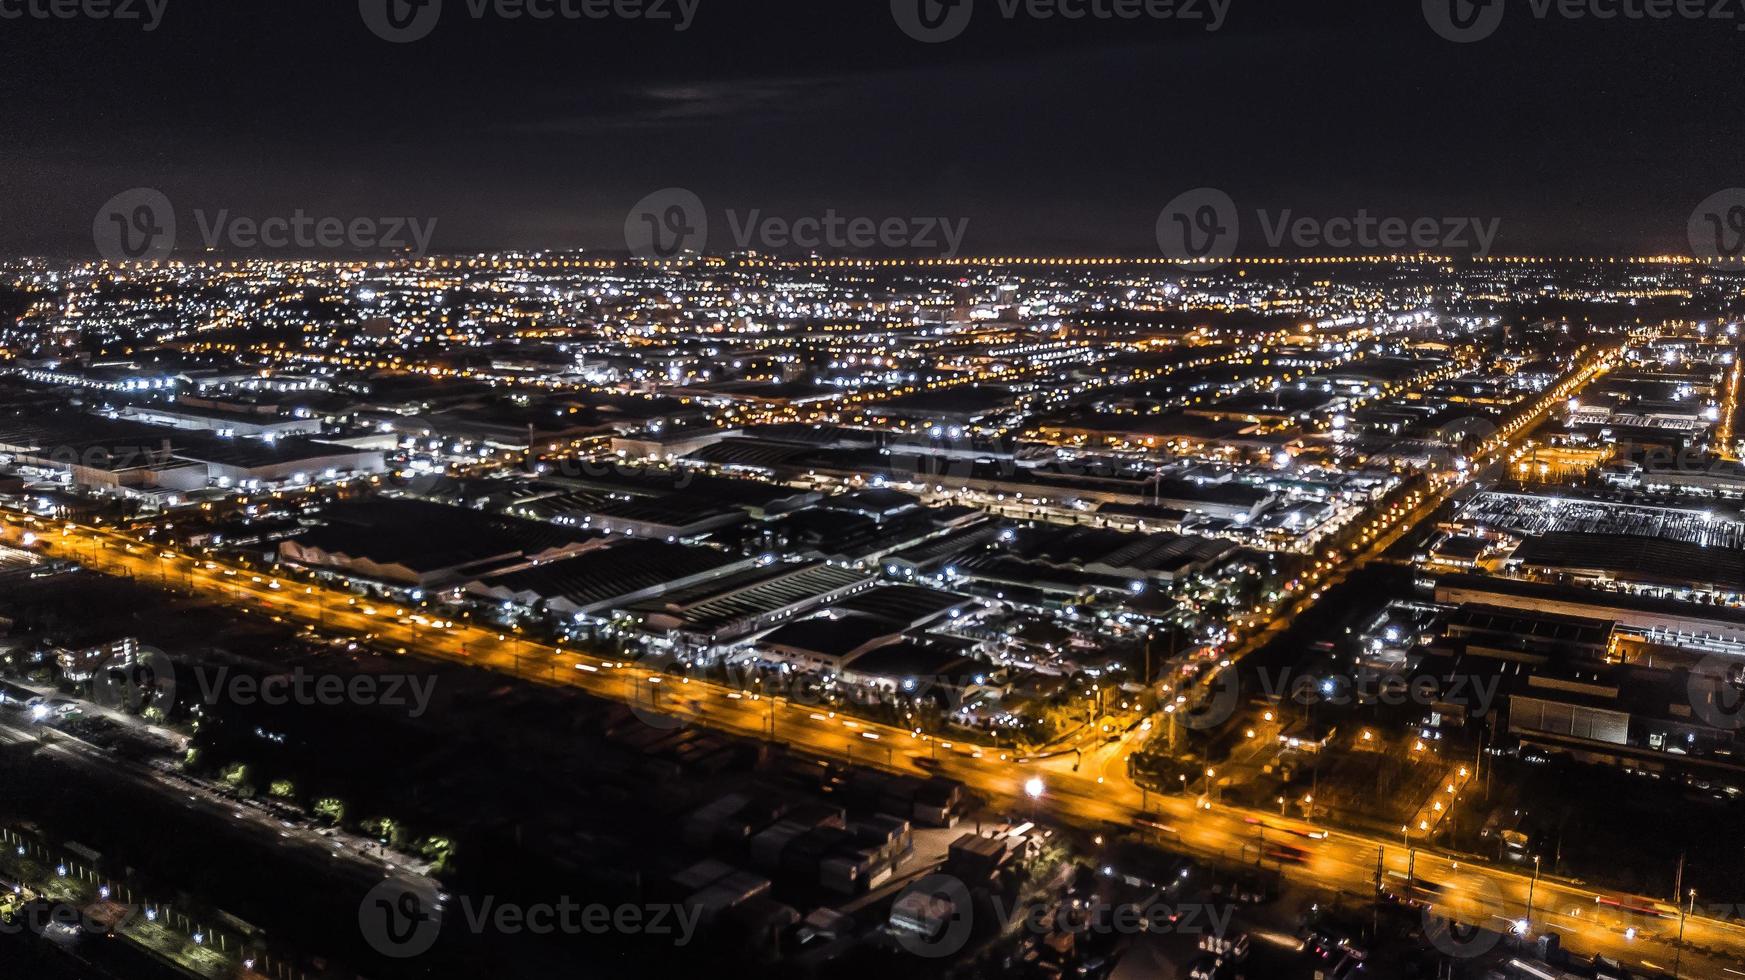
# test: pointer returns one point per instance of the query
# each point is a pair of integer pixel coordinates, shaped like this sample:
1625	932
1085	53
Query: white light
1033	787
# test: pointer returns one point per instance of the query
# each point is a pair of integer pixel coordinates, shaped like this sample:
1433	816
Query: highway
1094	792
1095	795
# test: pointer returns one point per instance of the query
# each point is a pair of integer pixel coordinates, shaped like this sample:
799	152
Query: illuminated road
1724	435
1093	791
1096	794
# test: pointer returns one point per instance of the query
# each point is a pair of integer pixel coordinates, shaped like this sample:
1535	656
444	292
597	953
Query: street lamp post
1683	913
1411	856
1531	885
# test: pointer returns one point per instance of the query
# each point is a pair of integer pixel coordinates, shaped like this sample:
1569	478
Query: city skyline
923	489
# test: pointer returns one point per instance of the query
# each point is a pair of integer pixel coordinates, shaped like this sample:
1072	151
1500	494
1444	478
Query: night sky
1050	137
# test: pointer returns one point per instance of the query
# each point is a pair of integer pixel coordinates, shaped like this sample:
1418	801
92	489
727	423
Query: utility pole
1683	913
1478	759
1375	903
1530	888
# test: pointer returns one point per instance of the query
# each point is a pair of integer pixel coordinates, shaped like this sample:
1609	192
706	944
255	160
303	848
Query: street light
1411	856
1528	922
1683	913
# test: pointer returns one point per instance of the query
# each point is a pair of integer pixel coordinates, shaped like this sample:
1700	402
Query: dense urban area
495	614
